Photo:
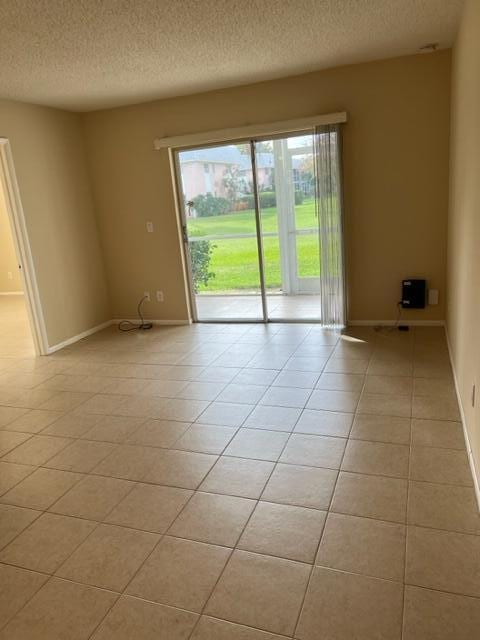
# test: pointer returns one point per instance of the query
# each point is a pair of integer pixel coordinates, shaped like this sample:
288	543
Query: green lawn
234	260
244	221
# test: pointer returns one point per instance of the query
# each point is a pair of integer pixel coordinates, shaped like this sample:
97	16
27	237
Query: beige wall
463	315
10	279
49	156
396	178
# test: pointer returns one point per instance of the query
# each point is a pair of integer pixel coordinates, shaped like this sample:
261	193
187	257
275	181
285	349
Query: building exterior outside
209	171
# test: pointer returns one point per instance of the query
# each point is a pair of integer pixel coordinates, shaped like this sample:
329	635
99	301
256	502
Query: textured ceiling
90	54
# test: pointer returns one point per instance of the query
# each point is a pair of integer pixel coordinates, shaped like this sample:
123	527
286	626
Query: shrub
248	201
200	255
268	199
209	205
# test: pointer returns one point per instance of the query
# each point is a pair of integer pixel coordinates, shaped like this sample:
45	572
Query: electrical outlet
150	227
9	275
159	296
146	296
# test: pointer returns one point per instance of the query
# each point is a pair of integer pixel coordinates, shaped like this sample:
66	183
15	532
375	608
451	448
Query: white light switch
433	296
150	227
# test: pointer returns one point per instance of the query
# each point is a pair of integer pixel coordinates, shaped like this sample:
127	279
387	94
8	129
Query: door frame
16	216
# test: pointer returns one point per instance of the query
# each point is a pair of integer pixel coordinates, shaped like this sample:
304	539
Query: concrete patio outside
249	307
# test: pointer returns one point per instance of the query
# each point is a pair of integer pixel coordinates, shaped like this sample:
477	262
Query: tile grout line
97	525
201	425
195	491
162	536
235	548
122	592
403	613
140	566
277	462
7	621
41	511
52	576
302	605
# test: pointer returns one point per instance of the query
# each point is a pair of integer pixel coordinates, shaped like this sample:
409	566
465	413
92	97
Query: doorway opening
252	229
15	334
22	329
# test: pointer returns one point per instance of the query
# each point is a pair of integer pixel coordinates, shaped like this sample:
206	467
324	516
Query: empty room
240	320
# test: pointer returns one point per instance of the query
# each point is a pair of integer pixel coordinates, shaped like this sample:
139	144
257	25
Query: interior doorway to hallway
15	333
22	328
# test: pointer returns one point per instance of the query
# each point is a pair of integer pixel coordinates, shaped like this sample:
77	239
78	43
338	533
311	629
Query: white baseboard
108	323
471	459
79	336
11	293
391	323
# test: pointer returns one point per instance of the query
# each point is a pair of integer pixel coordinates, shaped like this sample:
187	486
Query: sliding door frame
258	227
174	152
182	232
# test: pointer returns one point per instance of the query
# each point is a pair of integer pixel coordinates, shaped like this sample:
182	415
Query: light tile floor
15	334
236	482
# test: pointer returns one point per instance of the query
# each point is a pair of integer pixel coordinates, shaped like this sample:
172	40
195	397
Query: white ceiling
90	54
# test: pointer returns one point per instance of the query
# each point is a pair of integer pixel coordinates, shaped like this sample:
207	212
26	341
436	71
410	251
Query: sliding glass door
289	227
262	228
220	231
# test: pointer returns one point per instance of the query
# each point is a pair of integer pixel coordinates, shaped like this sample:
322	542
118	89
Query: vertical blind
329	211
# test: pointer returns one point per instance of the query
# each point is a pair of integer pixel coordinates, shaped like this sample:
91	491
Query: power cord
384	329
126	325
